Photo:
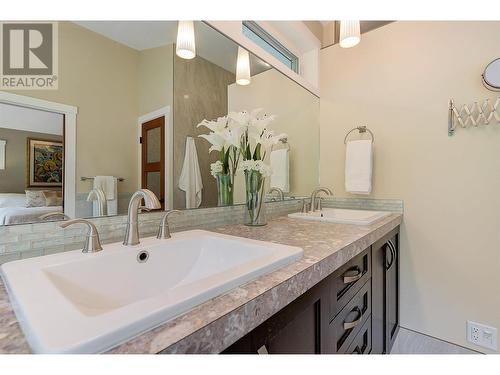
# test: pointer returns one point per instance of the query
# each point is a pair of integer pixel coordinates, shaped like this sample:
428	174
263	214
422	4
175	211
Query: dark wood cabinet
353	311
296	329
385	292
345	327
362	344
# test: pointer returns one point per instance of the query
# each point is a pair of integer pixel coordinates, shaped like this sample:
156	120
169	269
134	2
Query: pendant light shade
243	67
350	34
185	47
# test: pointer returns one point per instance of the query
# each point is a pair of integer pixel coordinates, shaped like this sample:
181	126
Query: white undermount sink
342	216
87	303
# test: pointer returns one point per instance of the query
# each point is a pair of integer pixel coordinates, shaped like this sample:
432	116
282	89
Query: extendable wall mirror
491	75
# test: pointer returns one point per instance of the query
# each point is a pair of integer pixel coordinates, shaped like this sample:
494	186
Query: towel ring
361	129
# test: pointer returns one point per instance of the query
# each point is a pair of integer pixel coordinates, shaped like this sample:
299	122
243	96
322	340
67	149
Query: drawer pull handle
262	350
394	252
352	275
354	323
389	246
357	350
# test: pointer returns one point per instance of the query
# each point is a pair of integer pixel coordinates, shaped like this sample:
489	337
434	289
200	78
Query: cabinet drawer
362	343
348	279
349	322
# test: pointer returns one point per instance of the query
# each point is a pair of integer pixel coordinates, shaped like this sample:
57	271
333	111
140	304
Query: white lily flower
215	125
231	138
215	139
241	118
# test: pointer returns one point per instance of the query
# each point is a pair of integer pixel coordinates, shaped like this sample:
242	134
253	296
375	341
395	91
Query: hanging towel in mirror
280	175
109	185
190	179
359	166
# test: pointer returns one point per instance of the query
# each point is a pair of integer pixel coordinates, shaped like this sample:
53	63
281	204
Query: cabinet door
385	292
296	329
392	294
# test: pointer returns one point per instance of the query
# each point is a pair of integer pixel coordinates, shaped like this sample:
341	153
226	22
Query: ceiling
28	119
142	35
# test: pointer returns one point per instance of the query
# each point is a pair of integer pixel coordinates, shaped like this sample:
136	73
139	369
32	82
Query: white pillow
12	200
35	198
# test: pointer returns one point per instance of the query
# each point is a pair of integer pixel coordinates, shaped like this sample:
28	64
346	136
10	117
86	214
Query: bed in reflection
14	210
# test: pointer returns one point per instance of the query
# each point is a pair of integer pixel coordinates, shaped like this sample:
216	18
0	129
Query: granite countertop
216	324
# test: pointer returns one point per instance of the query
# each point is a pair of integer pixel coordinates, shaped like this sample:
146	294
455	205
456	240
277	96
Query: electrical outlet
482	335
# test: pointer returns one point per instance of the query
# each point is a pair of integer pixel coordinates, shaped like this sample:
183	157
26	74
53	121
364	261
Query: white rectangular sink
87	303
342	216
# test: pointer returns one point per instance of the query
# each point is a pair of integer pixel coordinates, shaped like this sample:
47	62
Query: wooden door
153	158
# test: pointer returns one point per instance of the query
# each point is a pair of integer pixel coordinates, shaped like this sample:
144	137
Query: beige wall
200	92
296	111
13	179
398	81
92	67
155	78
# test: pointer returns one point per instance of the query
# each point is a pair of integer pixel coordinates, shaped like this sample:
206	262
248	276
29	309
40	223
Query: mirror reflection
32	169
149	105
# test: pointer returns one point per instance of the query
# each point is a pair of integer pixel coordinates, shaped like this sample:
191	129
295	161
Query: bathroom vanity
353	311
340	297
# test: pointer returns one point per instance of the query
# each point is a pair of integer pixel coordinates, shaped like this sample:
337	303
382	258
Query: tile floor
411	342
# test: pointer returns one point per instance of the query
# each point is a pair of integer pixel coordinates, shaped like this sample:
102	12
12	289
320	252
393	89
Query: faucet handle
305	206
92	242
164	229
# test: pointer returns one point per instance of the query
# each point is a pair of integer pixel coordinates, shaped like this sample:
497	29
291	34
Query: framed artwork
45	163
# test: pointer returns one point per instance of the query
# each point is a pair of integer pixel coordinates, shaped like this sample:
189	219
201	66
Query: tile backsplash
25	241
393	205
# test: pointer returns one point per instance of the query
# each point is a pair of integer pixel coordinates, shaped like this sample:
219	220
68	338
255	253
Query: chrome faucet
50	215
100	197
151	202
279	191
314	195
92	242
164	229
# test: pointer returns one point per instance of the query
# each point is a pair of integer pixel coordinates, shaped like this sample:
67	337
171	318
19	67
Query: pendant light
243	67
185	47
349	34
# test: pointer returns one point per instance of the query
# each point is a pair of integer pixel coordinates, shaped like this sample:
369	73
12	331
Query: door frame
69	112
169	152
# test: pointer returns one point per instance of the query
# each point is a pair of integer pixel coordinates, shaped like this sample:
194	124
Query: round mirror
491	75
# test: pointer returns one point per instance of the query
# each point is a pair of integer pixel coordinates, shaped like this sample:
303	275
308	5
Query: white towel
280	175
190	179
359	166
109	185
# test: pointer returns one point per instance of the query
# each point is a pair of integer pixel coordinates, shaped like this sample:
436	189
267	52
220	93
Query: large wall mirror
137	106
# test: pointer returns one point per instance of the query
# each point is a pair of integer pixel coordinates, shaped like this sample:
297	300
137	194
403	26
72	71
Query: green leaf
249	153
256	154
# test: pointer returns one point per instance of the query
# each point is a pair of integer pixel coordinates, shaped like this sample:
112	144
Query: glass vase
255	207
224	190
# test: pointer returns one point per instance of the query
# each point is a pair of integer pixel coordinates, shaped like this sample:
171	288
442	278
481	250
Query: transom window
263	39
